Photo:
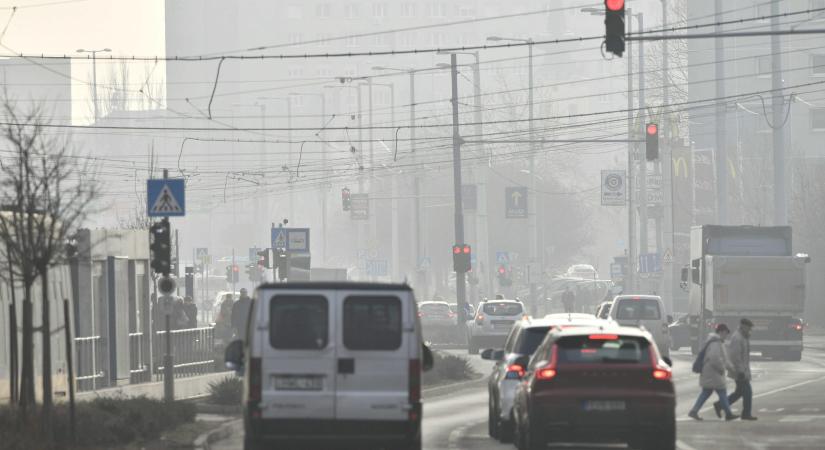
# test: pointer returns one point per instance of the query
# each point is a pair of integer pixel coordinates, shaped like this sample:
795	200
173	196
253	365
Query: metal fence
139	358
193	351
91	361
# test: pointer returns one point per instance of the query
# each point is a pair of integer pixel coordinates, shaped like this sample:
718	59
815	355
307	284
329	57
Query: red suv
596	384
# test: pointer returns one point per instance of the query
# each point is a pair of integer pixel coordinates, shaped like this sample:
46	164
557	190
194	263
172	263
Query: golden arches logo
678	163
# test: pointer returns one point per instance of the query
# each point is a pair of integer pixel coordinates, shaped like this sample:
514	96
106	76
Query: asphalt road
789	401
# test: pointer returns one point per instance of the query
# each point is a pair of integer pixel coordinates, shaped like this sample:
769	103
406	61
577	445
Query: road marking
683	446
801	418
776	391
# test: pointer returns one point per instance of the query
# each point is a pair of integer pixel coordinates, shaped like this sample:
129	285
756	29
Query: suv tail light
255	386
480	319
514	372
549	371
661	373
798	326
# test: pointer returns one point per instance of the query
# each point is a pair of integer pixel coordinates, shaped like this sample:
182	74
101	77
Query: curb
440	391
205	441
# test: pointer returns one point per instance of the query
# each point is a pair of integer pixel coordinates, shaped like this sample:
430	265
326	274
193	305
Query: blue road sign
515	203
166	197
376	267
294	240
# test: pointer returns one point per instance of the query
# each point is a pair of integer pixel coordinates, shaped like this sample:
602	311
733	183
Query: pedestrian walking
240	314
739	352
712	362
191	311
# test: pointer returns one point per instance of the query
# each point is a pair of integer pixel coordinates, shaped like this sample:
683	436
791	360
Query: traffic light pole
643	216
460	276
632	259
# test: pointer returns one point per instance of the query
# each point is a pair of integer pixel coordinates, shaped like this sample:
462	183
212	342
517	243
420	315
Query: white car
585	271
646	311
523	340
493	321
332	363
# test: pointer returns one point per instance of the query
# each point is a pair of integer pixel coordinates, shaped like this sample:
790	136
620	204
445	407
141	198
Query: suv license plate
293	383
604	405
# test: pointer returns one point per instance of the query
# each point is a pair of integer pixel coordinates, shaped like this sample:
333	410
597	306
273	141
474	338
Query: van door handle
346	366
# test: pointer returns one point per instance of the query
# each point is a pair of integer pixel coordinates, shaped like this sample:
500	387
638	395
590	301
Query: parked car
596	384
646	311
332	362
492	324
523	340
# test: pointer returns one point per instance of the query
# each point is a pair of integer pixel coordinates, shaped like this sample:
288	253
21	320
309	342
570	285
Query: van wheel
505	431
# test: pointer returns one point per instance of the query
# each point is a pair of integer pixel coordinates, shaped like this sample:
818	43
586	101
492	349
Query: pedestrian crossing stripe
166	202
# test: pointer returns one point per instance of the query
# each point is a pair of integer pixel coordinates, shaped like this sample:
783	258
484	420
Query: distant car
438	321
681	331
523	340
469	310
493	322
596	384
582	271
603	310
646	311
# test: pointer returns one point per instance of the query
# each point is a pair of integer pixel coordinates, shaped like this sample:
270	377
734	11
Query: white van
332	363
646	311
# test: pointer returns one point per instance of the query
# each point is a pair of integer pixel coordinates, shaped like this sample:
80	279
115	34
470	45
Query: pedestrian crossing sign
165	197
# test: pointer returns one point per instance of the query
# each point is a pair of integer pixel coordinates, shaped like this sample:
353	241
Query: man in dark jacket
739	353
191	310
240	314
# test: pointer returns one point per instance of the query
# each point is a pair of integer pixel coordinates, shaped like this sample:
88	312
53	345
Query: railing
193	351
139	370
91	362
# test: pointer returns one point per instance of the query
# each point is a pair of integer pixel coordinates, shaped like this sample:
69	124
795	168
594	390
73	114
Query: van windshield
502	309
605	349
372	323
638	309
298	322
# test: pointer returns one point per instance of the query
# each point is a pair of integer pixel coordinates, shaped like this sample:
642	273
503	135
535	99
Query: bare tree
45	193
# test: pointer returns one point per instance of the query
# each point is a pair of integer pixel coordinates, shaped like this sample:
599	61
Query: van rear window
603	349
372	323
641	309
298	322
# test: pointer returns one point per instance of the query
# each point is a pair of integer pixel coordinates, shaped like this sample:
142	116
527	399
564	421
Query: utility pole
632	258
721	123
643	216
532	198
669	289
460	277
778	105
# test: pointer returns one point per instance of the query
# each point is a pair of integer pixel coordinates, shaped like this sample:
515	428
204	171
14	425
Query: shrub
227	391
101	423
449	367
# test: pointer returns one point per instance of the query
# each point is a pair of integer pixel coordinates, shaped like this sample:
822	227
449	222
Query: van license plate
604	405
299	383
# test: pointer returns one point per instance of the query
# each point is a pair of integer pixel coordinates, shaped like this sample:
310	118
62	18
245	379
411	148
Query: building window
294	12
325	72
406	41
467	12
350	11
818	119
764	67
408	10
379	10
296	72
818	65
323	10
380	40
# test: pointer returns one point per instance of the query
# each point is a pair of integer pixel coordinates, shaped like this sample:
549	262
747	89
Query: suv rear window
531	339
298	322
372	323
502	309
603	349
642	309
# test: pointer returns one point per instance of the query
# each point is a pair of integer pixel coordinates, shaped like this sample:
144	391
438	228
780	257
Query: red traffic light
466	249
456	250
502	270
235	269
614	5
652	129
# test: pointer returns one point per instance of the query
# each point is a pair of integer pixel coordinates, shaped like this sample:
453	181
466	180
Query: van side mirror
498	355
669	320
233	356
427	356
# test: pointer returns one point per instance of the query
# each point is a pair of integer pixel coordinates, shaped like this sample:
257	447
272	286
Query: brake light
797	326
480	319
662	374
415	381
549	372
603	337
255	386
659	372
514	372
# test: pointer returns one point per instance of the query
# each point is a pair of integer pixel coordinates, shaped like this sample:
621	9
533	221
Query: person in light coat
739	353
712	379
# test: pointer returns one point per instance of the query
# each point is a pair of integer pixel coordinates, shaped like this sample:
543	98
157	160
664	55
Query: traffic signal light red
652	142
462	258
614	27
614	5
346	199
502	270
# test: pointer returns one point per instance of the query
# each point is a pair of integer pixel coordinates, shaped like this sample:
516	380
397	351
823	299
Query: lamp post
94	74
532	210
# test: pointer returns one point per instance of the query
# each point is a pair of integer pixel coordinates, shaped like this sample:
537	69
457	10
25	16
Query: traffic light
652	142
229	274
160	247
504	277
462	255
614	29
253	272
263	259
346	200
236	274
282	264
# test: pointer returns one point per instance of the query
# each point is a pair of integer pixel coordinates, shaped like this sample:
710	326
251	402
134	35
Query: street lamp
94	73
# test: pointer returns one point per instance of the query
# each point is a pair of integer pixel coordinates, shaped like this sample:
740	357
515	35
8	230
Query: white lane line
801	418
681	445
775	391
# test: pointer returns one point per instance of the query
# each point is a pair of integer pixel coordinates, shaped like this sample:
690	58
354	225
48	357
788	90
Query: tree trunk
27	360
46	329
